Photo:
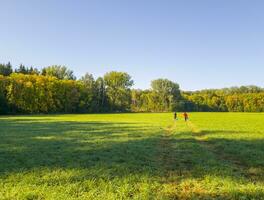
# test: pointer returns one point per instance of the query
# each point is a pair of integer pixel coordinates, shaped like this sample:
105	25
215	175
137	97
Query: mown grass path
198	167
166	156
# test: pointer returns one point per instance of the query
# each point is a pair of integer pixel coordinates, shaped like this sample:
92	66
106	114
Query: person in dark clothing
175	116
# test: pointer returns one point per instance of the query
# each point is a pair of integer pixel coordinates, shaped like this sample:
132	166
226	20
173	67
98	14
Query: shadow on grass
28	144
217	132
112	150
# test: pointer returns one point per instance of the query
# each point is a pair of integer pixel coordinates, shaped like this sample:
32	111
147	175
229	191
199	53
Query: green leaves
61	72
118	90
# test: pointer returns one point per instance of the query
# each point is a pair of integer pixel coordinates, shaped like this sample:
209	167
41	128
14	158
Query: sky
198	44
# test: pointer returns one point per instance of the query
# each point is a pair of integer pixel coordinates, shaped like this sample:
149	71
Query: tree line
55	89
234	99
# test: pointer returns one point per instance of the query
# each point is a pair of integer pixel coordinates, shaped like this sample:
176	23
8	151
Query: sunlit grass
132	156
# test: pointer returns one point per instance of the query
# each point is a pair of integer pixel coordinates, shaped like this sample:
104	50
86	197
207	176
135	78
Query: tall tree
118	90
167	93
61	72
6	69
101	98
22	69
88	93
3	94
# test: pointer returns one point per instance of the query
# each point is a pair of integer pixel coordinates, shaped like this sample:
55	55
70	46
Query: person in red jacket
185	115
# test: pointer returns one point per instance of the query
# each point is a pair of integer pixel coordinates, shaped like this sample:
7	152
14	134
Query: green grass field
132	156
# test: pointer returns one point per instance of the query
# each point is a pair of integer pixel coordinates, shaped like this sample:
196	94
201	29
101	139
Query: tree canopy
61	72
56	90
6	69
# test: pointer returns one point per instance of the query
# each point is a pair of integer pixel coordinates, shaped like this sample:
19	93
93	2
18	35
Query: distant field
132	156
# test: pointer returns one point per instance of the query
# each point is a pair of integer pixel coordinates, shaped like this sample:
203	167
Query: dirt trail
166	153
172	163
166	156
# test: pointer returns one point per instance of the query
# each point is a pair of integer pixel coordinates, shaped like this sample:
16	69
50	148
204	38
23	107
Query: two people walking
185	116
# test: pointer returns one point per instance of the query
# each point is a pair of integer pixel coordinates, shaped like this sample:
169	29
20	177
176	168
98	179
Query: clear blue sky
199	44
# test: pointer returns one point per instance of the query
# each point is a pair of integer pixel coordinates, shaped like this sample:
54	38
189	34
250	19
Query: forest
55	89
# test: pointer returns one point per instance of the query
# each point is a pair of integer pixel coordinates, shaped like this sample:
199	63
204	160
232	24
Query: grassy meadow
132	156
